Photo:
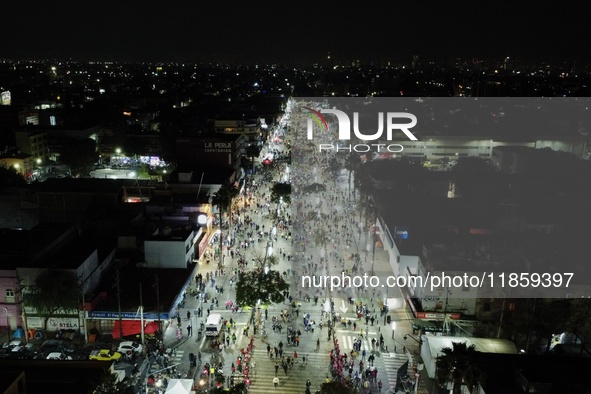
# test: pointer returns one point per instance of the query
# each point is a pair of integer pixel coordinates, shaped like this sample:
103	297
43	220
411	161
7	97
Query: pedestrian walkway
348	338
176	358
392	361
316	369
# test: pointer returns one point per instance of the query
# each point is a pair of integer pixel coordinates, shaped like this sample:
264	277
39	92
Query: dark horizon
302	32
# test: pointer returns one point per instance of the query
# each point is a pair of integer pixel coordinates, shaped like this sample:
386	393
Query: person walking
276	367
189	330
275	381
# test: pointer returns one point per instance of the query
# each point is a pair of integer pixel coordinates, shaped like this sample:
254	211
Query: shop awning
151	327
130	327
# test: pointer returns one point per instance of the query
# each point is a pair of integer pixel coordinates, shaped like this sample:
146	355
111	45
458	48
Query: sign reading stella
391	120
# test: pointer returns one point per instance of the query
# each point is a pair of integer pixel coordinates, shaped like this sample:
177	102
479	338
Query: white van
213	326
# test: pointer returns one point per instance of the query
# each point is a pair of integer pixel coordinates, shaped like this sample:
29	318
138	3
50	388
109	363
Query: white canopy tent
180	386
432	346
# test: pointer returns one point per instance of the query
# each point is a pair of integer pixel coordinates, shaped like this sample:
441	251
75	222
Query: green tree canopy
54	290
456	365
224	196
473	177
10	178
352	165
336	387
281	190
109	385
253	286
260	261
80	155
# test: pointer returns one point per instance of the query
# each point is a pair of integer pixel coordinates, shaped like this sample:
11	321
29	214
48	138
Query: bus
213	326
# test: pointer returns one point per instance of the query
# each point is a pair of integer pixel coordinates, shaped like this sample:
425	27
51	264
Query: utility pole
82	312
142	315
157	287
117	282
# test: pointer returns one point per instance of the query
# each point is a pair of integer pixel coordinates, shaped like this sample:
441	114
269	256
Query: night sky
292	31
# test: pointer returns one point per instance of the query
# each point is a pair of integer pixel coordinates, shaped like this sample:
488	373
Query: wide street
344	239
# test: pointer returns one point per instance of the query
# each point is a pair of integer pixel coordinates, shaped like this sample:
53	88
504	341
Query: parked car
25	351
130	346
12	344
58	346
104	355
58	356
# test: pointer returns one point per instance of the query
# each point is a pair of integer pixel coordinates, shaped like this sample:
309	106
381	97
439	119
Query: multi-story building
22	162
237	124
213	151
33	142
10	310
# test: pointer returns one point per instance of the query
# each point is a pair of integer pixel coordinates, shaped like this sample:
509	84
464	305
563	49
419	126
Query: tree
54	290
239	388
260	262
223	200
9	178
352	165
80	155
456	364
473	177
281	192
253	286
252	151
336	387
109	385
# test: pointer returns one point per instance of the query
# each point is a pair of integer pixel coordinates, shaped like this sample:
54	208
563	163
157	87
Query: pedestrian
188	315
268	349
276	381
354	326
189	330
276	367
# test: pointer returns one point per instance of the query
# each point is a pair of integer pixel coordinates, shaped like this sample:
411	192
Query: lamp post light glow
202	219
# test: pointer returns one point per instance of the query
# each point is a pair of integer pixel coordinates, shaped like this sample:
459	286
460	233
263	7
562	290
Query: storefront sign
126	315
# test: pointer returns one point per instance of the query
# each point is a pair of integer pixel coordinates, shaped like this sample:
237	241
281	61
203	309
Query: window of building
9	295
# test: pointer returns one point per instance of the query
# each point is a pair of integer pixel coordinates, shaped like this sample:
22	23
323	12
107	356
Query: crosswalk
316	369
392	361
348	338
172	360
241	339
